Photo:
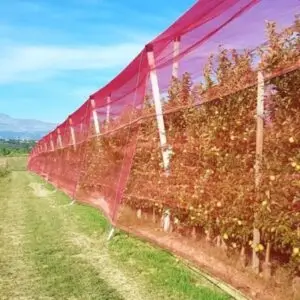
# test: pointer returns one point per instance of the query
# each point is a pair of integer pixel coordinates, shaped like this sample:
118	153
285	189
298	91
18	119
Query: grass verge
50	250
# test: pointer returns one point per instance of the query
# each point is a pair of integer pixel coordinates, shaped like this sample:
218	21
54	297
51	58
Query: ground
50	249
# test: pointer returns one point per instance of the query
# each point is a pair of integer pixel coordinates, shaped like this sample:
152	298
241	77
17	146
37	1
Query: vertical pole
59	141
176	45
43	160
259	156
95	117
108	99
260	127
111	233
108	109
158	108
51	142
72	131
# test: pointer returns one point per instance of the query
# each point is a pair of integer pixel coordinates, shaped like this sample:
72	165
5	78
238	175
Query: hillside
12	128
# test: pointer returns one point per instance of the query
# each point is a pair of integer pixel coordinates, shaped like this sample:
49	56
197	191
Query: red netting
203	166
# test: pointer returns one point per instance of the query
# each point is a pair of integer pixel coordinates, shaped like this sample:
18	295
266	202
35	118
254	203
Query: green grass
4	171
17	163
64	274
51	250
161	269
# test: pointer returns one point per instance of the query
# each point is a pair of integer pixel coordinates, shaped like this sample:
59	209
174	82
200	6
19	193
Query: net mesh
208	175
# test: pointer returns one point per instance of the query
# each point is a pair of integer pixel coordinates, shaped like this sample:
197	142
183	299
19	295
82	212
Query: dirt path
51	250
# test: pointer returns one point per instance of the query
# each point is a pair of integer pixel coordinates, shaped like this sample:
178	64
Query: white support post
175	67
72	131
259	156
111	233
45	147
260	127
108	109
158	109
59	141
95	117
51	142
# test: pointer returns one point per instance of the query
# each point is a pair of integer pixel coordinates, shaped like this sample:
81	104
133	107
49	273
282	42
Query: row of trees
211	187
212	136
15	147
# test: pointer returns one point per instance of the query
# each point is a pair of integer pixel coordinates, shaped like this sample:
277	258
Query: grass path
15	272
51	250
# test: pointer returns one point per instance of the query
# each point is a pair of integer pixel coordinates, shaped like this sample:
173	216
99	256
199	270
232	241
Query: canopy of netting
176	128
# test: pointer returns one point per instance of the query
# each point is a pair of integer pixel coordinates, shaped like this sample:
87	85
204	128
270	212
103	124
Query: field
52	250
16	163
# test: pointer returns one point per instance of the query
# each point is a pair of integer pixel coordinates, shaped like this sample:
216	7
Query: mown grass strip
64	270
161	270
64	274
17	277
56	272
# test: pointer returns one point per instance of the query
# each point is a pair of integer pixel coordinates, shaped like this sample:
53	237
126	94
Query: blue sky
54	54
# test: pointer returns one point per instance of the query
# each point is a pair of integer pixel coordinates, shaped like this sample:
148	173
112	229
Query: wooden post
267	263
72	131
176	45
45	147
139	213
108	109
259	156
242	258
260	127
95	117
166	220
153	215
158	108
59	141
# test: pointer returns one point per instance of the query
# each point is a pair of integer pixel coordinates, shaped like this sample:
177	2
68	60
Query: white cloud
33	63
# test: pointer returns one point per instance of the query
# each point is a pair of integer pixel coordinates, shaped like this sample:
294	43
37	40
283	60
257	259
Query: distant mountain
11	128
